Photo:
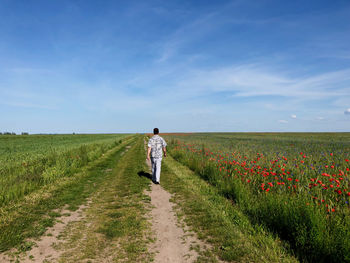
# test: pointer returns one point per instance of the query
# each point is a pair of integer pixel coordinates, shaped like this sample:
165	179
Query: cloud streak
253	80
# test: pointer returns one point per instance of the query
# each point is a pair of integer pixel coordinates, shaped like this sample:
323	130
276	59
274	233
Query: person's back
156	147
156	143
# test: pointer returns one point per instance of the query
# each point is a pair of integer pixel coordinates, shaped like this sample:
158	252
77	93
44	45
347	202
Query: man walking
156	147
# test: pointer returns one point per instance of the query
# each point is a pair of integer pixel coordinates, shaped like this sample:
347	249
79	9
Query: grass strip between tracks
32	216
217	221
116	228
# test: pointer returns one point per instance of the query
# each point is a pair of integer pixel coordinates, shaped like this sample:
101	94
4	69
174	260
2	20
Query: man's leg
158	162
153	165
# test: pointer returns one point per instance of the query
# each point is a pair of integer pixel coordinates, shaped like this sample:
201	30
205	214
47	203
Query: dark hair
155	131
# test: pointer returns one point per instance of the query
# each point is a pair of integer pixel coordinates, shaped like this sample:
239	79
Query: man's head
155	131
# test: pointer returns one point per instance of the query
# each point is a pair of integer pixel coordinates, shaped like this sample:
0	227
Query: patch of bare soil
44	250
172	243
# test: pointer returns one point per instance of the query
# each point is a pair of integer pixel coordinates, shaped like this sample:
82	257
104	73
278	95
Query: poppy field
294	184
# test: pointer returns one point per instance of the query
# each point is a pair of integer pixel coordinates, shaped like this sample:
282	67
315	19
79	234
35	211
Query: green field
50	172
31	161
254	197
18	149
294	184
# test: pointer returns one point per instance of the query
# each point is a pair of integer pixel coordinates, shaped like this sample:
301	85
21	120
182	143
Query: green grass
30	162
21	148
31	216
217	221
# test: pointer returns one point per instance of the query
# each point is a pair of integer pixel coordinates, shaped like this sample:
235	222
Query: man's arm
164	147
149	153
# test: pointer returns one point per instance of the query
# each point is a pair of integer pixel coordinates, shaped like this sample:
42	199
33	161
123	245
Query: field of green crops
294	184
28	162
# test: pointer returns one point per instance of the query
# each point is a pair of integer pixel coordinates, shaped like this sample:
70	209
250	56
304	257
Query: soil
172	243
44	248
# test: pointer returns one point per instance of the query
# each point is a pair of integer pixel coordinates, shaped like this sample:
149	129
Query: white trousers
156	165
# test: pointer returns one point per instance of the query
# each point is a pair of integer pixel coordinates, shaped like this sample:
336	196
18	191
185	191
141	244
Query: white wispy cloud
182	36
293	116
347	111
283	121
254	80
195	26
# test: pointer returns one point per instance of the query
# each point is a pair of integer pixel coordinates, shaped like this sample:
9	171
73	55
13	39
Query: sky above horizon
182	66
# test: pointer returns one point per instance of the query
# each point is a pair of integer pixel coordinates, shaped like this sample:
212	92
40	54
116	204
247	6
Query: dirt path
43	249
172	243
108	227
76	236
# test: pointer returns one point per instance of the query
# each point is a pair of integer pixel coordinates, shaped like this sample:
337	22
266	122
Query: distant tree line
13	133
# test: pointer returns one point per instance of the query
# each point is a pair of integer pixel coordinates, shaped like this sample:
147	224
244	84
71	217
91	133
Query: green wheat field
255	197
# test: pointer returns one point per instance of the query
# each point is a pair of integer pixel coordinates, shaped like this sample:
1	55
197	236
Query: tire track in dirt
45	248
172	243
114	229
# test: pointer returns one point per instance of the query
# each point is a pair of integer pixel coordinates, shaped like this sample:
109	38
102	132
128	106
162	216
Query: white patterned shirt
156	143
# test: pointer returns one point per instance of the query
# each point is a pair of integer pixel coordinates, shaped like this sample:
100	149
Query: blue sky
129	66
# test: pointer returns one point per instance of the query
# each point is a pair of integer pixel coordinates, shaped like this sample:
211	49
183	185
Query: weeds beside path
217	221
